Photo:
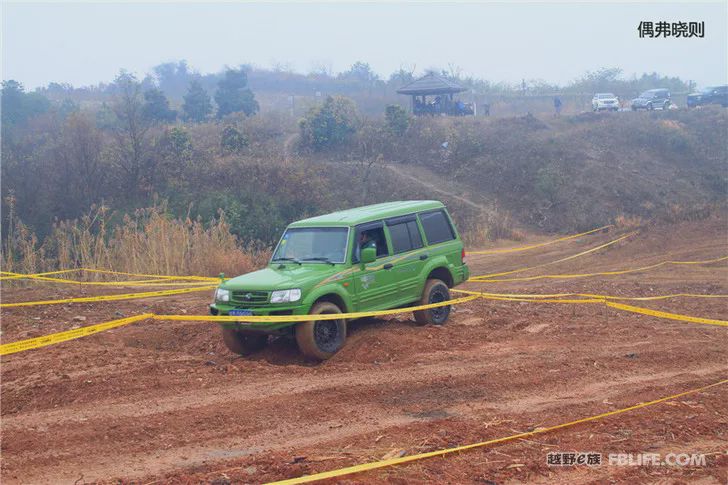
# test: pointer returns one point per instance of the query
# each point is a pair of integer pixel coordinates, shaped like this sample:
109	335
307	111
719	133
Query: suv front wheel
436	291
243	343
321	339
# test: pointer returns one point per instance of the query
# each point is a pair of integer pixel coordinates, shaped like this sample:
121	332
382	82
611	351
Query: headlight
222	295
285	296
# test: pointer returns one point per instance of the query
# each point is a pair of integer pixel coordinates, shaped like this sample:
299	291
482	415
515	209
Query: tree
397	119
233	96
130	131
156	107
176	153
401	77
18	106
360	72
79	166
173	78
330	124
232	140
197	104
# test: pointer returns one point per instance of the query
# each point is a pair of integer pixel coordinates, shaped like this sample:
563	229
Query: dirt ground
165	402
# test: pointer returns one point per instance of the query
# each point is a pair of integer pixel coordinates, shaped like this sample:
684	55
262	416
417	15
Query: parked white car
605	101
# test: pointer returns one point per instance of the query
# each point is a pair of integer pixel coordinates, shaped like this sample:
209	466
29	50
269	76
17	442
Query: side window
437	227
370	235
405	236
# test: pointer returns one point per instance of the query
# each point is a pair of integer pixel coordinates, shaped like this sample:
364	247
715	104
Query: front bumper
265	327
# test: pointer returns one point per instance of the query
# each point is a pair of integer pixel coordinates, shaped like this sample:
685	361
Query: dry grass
149	241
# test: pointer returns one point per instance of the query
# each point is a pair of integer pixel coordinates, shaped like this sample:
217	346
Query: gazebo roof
431	84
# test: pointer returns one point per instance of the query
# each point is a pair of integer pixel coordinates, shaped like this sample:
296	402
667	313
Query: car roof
368	213
604	94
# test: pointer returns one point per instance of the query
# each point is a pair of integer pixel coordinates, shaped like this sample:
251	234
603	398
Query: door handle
424	257
388	266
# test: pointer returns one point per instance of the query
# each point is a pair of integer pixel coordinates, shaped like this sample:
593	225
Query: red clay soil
165	402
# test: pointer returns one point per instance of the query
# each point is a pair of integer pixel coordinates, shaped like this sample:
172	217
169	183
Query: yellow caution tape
154	282
82	332
308	318
573	256
59	337
126	296
11	275
487	279
619	306
539	245
51	339
671	316
421	456
590	295
44	276
171	277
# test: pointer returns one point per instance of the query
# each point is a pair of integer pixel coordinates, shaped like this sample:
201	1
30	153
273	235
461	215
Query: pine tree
197	105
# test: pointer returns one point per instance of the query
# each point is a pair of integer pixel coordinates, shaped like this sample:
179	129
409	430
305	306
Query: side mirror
368	255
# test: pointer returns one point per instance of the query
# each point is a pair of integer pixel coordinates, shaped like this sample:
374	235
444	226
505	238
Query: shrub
232	140
397	119
329	125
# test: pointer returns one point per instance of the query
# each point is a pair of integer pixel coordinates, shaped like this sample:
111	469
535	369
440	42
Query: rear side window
405	236
437	227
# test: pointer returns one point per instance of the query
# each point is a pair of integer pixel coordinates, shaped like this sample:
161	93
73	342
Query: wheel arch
333	296
442	273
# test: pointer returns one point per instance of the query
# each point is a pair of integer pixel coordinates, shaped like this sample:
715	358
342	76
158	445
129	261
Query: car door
374	284
409	256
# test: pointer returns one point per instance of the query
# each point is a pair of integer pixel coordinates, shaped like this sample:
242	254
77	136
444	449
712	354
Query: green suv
376	257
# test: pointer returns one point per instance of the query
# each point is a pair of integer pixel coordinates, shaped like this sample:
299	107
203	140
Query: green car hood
277	278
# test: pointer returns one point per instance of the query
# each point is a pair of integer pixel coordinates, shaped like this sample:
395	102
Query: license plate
240	313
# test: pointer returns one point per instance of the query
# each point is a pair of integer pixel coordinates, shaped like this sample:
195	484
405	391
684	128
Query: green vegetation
123	146
397	119
330	125
197	105
232	96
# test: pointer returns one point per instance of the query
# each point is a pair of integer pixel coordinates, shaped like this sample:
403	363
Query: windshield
605	96
325	244
707	90
648	94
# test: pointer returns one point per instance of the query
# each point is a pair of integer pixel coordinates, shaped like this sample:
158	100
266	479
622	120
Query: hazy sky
85	43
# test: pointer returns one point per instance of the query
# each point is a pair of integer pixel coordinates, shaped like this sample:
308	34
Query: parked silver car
605	101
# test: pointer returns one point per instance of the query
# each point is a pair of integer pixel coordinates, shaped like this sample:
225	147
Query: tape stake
421	456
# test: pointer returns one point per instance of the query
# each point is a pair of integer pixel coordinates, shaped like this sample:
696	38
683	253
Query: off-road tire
243	343
435	291
321	339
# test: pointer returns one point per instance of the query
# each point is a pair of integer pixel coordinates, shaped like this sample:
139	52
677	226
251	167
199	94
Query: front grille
248	298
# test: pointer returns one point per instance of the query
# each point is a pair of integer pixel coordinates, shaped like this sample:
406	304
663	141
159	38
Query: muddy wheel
321	339
243	343
435	291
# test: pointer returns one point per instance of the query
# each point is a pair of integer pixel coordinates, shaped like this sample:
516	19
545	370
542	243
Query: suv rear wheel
435	291
243	343
321	339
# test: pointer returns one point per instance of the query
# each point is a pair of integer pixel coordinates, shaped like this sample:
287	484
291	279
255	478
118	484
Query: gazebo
441	90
